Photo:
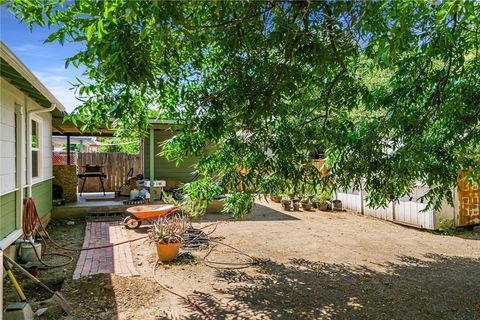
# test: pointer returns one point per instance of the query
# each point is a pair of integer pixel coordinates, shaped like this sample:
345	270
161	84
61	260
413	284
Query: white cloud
58	81
31	50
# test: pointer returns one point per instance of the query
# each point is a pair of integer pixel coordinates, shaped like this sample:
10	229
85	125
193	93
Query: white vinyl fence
407	210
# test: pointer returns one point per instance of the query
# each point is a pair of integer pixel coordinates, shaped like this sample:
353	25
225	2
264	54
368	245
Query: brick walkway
116	259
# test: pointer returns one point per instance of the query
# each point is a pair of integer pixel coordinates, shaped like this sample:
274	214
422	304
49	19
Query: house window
35	149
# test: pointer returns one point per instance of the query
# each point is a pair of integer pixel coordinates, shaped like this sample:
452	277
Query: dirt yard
312	265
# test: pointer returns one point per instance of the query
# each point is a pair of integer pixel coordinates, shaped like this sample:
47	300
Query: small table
100	175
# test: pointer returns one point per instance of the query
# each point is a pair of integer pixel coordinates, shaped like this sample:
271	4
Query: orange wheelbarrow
146	212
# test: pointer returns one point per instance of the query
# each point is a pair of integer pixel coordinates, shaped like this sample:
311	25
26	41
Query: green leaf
89	32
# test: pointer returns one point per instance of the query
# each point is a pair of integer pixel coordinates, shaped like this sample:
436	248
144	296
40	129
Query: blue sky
46	61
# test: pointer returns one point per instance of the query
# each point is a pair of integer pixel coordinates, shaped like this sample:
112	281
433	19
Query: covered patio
149	165
86	193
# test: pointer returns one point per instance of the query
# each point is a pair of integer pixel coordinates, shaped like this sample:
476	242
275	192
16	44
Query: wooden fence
408	210
115	165
469	201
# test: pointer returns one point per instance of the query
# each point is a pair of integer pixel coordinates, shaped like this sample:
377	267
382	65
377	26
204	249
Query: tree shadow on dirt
260	212
438	287
467	234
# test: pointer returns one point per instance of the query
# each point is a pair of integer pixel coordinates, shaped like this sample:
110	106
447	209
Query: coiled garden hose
30	228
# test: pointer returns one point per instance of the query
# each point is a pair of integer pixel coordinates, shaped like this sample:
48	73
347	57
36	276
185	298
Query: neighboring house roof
74	140
15	72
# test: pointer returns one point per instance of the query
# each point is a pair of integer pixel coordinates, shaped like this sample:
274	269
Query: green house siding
165	169
42	195
7	214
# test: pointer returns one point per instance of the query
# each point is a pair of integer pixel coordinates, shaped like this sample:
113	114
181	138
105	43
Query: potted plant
337	205
323	206
307	204
167	233
286	204
296	204
322	200
275	198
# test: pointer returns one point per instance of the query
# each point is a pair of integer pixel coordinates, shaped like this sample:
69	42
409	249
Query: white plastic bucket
28	254
134	193
159	183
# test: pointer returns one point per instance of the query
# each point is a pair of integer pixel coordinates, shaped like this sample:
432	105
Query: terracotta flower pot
323	206
168	251
276	199
286	204
337	205
307	206
296	205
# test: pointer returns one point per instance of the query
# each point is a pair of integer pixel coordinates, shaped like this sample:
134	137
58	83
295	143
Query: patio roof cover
62	127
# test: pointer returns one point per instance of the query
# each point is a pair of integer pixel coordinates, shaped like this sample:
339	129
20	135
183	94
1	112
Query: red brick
116	259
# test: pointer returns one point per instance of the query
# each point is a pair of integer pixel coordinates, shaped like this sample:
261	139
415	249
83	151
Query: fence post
393	210
362	210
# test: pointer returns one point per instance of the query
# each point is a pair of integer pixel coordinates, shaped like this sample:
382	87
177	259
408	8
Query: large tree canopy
387	91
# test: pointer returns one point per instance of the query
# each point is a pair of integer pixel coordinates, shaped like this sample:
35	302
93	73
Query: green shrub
238	204
447	227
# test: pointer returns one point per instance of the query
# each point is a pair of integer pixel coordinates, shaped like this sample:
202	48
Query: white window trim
38	180
7	192
39	122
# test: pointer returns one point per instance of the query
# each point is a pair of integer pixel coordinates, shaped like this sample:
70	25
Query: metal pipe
29	144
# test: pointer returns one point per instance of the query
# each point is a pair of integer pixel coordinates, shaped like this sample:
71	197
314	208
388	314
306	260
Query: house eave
14	71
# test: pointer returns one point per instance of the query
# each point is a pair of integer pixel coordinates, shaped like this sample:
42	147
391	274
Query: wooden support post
68	150
140	157
152	161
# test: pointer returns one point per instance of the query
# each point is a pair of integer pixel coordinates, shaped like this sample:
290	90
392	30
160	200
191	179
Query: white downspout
20	162
29	145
